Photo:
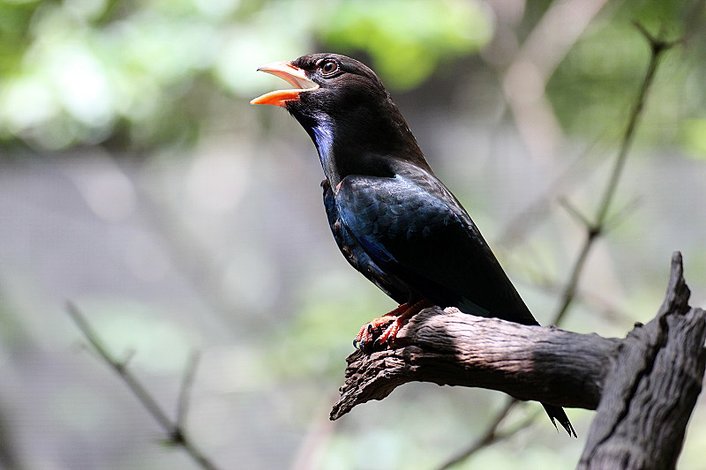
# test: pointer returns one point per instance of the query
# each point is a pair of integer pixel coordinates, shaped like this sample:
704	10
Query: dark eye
328	67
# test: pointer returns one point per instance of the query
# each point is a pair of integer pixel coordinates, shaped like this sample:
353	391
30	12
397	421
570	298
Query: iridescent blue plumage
413	228
356	255
392	218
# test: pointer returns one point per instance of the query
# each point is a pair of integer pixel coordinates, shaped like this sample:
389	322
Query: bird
392	218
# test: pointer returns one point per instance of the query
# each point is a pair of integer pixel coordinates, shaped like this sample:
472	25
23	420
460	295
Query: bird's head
322	83
346	110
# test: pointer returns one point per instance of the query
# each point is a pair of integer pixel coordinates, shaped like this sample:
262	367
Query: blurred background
137	182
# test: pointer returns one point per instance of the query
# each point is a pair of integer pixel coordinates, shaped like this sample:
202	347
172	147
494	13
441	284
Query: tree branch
174	429
657	369
449	347
652	388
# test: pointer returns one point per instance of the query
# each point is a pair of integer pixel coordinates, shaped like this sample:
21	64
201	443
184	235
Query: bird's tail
557	413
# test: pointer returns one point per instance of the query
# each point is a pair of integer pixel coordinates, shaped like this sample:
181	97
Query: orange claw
371	334
366	336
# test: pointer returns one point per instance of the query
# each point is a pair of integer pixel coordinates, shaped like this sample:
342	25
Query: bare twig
487	438
526	77
175	431
573	211
595	229
187	383
581	167
494	434
593	301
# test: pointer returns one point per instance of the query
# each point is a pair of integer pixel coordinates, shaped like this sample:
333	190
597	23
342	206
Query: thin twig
174	430
597	228
591	300
536	211
594	230
525	79
573	211
619	216
185	390
486	439
492	434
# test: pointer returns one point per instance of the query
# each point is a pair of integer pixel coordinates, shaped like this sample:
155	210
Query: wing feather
416	230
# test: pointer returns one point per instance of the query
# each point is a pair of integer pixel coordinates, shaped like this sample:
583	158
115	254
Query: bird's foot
372	334
366	338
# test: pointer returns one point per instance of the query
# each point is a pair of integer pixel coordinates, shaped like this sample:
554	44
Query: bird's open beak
294	75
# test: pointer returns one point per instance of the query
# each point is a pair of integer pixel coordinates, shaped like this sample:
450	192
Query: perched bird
392	218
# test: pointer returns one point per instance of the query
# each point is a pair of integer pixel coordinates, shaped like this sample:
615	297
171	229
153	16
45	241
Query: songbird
391	216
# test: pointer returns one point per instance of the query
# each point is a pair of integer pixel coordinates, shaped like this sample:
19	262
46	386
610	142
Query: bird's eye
328	67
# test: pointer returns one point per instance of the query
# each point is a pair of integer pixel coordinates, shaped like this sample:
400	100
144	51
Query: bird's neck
322	134
367	144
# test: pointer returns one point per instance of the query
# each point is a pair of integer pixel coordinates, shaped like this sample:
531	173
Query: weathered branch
652	388
646	383
448	347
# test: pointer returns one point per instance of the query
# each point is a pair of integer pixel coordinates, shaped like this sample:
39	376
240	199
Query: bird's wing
414	228
356	255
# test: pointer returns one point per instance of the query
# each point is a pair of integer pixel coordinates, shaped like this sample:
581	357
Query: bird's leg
371	334
367	333
390	334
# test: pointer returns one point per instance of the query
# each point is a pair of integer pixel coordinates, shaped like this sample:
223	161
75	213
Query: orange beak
294	75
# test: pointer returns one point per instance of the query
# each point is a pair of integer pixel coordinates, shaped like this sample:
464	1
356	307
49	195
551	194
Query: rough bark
652	388
644	386
448	347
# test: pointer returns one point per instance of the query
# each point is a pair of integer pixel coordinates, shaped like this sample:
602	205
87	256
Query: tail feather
557	413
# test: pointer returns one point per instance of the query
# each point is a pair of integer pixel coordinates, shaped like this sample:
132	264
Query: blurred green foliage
145	74
595	85
90	71
693	134
409	39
